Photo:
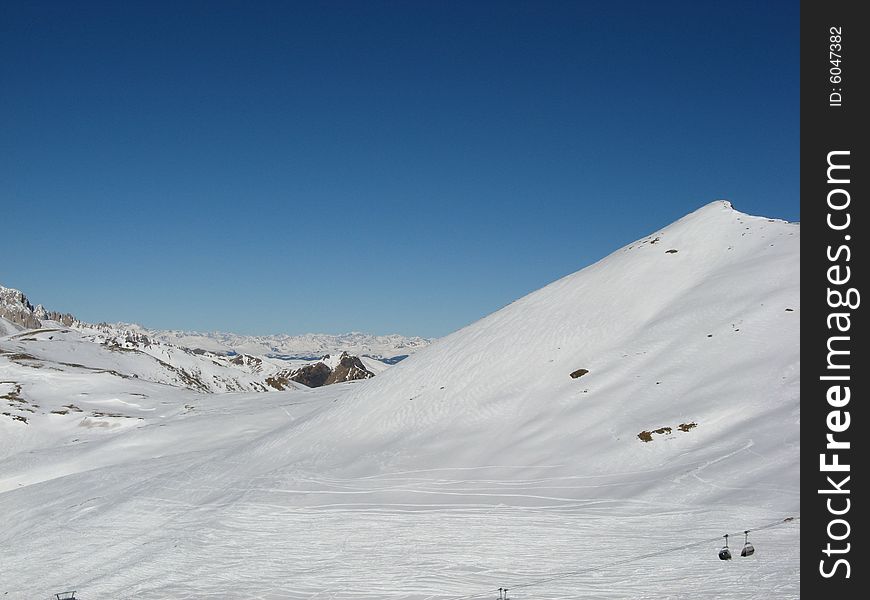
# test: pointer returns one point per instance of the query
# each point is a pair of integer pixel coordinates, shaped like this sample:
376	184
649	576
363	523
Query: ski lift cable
566	574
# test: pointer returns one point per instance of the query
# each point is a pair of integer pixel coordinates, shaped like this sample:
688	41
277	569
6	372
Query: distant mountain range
19	313
304	346
206	362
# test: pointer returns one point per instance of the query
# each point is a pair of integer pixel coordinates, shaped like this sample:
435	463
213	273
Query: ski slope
479	462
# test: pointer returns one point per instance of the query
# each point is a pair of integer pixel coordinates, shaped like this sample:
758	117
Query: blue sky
409	167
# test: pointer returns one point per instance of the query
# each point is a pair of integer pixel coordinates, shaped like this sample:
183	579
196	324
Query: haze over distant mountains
16	308
306	345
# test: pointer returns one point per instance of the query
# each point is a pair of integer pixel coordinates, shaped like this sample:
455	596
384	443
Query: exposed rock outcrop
16	308
349	368
327	371
314	375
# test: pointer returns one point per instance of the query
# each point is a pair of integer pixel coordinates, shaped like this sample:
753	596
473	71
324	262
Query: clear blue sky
409	167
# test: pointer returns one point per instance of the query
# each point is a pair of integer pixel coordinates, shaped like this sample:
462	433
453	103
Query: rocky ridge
216	369
17	309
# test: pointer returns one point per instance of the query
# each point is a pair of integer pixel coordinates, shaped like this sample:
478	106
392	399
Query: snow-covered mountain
17	313
592	439
290	346
207	363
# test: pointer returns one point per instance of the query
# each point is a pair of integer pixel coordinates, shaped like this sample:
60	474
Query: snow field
476	463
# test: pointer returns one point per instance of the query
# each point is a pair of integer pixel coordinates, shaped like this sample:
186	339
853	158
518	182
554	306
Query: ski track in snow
251	544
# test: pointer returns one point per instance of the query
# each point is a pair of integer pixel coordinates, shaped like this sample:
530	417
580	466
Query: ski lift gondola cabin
748	548
725	552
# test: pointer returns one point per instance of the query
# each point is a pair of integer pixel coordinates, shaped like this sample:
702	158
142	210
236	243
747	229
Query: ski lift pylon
748	548
725	552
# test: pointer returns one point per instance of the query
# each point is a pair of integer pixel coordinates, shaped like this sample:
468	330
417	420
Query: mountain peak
17	309
665	332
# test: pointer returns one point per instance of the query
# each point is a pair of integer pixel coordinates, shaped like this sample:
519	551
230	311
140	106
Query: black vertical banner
835	223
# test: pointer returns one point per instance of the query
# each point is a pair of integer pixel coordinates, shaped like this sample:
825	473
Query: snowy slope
708	334
128	354
66	350
475	463
213	362
8	327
